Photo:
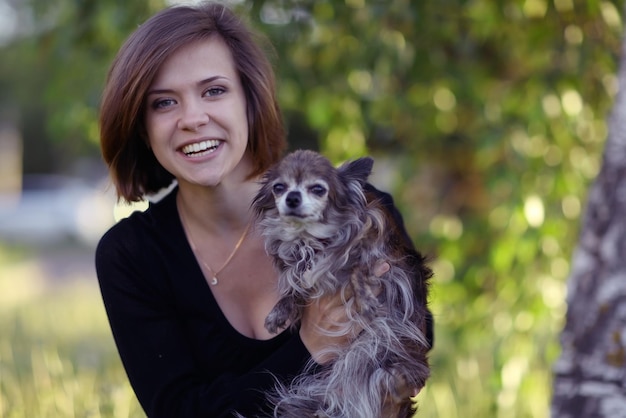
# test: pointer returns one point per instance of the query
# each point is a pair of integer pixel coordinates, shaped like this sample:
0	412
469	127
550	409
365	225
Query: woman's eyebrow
199	83
211	79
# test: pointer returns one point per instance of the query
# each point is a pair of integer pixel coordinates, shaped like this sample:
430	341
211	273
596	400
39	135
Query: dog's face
304	187
303	200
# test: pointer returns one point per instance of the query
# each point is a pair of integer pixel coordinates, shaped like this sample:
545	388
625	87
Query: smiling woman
190	100
182	102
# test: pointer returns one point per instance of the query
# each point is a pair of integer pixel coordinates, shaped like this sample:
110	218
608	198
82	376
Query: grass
57	357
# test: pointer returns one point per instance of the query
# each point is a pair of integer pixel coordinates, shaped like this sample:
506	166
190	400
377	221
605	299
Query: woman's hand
319	326
322	328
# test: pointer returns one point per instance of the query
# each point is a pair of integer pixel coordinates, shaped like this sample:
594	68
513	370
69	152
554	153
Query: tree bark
590	375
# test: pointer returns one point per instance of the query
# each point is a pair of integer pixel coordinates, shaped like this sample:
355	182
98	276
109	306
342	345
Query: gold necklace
214	281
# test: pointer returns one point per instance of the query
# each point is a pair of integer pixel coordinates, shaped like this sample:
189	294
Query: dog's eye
318	190
279	188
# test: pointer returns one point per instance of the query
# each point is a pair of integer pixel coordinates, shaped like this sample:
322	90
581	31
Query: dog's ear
358	170
264	199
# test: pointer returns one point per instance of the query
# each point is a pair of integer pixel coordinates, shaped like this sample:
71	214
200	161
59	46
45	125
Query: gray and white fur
327	234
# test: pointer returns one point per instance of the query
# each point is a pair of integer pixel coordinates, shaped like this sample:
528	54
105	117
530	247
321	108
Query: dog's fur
327	236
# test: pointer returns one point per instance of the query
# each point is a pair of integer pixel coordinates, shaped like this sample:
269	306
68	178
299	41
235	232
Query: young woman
187	283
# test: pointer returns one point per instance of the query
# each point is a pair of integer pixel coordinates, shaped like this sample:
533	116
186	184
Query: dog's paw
273	322
283	314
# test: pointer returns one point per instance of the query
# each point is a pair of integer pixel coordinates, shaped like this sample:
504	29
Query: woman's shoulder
134	231
137	250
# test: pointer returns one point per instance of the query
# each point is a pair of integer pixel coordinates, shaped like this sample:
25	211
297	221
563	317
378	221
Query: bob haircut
134	169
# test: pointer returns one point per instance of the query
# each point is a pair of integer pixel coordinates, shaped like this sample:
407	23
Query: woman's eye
163	103
214	91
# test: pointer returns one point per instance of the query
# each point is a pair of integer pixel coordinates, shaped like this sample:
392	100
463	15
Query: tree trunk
590	375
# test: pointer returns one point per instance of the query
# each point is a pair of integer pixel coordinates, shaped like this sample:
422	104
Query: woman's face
196	115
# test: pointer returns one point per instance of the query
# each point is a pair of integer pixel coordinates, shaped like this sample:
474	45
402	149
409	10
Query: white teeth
200	146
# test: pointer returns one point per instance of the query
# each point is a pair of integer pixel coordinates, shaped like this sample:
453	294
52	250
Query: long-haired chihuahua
328	234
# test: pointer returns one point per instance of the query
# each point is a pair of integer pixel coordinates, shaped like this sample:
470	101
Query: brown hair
134	169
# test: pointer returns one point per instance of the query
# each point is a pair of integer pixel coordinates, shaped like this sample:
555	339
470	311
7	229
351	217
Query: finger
381	268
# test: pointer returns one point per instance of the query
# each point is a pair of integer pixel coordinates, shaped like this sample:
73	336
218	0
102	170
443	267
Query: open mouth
199	149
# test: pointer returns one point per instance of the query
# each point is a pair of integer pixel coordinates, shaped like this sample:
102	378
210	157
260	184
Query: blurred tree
590	375
487	119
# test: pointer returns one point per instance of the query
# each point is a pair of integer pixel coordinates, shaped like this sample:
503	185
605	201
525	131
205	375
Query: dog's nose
293	199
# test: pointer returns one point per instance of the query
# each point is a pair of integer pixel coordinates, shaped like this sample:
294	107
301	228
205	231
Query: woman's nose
193	117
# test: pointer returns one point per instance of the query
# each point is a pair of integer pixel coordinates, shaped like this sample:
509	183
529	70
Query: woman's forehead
197	62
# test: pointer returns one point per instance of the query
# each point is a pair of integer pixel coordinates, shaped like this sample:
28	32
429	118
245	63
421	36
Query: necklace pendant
214	281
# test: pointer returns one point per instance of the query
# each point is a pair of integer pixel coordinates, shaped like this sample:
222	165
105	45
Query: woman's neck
219	208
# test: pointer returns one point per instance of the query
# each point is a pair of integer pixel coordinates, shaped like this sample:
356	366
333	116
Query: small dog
327	233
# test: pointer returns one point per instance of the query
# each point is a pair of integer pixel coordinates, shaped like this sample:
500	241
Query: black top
182	356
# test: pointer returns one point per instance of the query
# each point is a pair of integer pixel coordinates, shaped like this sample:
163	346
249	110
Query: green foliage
487	120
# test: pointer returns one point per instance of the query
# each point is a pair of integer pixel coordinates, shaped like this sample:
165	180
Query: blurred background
487	120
